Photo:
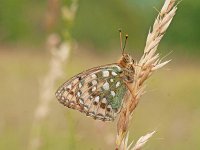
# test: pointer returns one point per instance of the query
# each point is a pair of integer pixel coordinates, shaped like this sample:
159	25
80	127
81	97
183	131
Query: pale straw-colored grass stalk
149	62
59	54
138	145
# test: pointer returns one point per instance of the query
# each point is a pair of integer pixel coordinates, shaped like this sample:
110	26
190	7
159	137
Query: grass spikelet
148	63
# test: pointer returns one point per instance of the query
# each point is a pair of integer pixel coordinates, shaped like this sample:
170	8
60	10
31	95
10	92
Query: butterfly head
126	60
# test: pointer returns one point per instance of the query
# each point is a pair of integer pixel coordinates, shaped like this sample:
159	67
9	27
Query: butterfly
100	92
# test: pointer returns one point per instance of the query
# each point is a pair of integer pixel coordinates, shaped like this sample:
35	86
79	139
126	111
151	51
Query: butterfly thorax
126	62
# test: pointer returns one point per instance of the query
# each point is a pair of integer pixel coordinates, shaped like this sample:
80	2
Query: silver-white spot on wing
78	94
112	93
69	86
94	82
105	73
94	88
118	84
114	73
94	76
80	85
96	99
106	86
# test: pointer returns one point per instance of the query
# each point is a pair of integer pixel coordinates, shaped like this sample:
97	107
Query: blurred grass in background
24	22
171	106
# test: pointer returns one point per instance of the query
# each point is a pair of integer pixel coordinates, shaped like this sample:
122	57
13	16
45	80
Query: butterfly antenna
120	38
126	37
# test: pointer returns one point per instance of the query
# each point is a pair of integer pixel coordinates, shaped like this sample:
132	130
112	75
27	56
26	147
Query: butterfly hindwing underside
98	92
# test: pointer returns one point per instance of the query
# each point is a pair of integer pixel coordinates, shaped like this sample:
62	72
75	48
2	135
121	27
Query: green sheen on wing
117	89
98	92
116	101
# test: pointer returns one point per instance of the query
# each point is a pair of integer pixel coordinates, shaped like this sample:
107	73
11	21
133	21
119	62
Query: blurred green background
172	102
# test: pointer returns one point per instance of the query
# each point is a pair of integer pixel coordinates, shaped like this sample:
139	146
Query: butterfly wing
98	92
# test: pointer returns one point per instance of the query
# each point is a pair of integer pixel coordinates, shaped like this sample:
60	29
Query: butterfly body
99	92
